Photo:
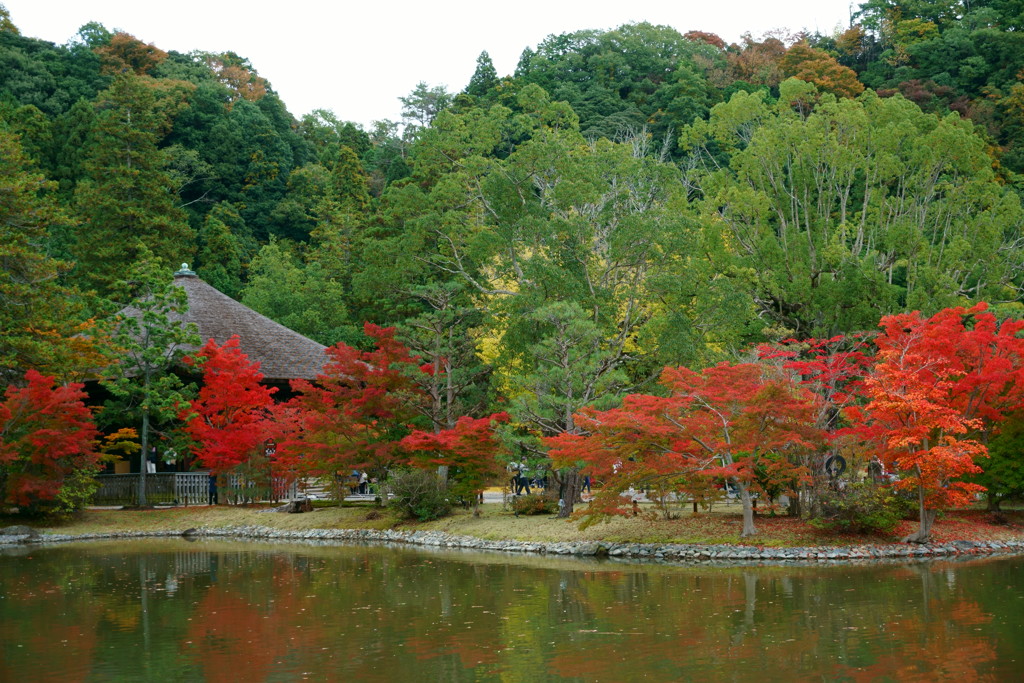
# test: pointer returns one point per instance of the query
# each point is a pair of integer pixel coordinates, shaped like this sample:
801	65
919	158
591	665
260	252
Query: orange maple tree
939	386
820	68
730	421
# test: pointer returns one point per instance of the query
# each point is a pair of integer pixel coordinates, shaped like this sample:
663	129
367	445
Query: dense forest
626	200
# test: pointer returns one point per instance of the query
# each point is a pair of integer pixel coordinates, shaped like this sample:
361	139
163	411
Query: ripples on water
223	611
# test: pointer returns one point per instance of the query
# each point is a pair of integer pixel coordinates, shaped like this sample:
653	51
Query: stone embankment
669	552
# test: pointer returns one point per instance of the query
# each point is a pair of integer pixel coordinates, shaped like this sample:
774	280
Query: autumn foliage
469	450
356	413
233	415
739	423
820	68
939	384
46	437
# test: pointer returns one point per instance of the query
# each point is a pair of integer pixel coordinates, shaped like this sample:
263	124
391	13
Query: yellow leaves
123	442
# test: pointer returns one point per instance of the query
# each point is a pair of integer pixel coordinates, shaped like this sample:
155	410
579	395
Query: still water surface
224	611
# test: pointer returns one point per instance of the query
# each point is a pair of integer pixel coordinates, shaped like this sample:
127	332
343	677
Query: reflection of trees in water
378	614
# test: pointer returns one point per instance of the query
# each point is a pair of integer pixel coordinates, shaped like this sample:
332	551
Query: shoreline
683	553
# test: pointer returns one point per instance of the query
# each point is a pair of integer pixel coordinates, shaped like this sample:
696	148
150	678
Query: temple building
283	354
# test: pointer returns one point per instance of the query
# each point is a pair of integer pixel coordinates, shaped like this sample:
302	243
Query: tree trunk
927	518
992	503
568	491
748	510
795	507
144	461
924	532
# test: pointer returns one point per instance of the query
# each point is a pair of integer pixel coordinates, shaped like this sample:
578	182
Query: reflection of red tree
60	637
945	647
473	646
717	632
241	637
233	641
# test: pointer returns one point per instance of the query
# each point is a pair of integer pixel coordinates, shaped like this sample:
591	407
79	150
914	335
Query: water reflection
219	611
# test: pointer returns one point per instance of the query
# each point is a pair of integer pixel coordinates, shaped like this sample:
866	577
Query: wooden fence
188	488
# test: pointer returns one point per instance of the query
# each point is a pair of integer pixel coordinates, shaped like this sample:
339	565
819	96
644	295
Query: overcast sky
358	58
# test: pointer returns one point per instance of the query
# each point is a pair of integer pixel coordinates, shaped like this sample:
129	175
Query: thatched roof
283	354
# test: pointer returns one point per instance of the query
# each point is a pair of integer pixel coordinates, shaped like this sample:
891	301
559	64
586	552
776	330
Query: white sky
359	58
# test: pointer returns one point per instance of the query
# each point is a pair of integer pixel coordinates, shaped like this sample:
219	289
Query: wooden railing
188	488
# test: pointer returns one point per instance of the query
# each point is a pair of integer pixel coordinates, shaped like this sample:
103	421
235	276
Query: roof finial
184	271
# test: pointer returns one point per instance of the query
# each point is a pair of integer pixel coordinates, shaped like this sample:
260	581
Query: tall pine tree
128	199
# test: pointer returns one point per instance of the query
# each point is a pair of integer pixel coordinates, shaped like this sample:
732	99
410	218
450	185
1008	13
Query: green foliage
442	337
299	296
638	76
567	369
49	77
484	77
326	134
76	492
861	508
221	253
423	104
1003	477
417	494
126	201
148	340
859	208
38	315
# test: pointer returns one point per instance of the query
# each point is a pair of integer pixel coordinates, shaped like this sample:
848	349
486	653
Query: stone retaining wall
684	553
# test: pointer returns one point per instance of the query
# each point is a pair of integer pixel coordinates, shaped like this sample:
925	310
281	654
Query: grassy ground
720	526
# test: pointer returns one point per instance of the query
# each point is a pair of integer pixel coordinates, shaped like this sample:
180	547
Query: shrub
418	494
533	505
862	508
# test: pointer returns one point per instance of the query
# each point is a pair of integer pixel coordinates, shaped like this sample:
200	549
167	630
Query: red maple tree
940	386
911	419
233	416
729	421
468	450
358	410
986	363
46	437
833	369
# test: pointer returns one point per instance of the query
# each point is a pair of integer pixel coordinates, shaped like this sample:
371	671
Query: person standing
212	490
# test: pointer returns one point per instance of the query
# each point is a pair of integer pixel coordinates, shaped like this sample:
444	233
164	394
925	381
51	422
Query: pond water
173	610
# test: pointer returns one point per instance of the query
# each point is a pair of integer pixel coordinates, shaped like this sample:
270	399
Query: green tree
635	76
423	104
326	133
148	341
127	198
6	25
1003	477
299	296
571	366
221	252
859	208
484	77
38	315
442	337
